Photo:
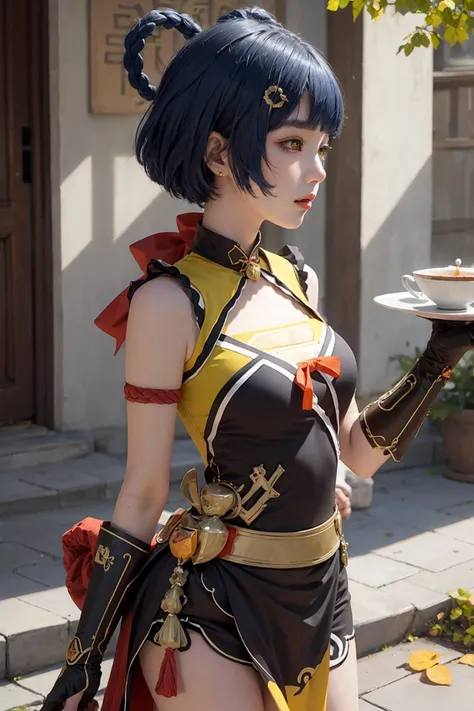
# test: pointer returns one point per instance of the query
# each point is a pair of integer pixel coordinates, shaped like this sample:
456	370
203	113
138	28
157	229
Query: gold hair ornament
275	104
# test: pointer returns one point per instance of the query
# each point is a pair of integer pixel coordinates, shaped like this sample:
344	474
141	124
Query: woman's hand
72	704
449	342
62	697
343	500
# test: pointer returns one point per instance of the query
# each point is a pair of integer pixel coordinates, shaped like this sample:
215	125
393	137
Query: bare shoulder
161	332
160	296
313	286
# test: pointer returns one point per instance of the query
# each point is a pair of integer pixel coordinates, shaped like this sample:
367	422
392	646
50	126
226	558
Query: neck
230	220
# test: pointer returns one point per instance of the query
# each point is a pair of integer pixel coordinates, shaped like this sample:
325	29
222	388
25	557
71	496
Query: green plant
457	625
448	20
458	393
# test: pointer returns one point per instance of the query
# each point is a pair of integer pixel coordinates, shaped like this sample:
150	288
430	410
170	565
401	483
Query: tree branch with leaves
440	20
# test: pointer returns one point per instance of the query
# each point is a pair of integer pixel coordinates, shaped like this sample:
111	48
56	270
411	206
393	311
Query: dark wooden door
16	202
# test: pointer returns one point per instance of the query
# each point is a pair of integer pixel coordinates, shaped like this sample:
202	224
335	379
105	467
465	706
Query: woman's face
296	154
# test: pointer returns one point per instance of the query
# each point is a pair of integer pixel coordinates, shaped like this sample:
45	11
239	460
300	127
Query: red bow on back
331	365
169	247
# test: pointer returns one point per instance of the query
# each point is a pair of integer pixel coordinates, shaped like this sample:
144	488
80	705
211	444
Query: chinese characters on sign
110	20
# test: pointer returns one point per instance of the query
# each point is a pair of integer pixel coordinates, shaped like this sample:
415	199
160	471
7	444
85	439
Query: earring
221	174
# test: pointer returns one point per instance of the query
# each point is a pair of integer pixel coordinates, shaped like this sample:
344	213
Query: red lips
306	198
306	202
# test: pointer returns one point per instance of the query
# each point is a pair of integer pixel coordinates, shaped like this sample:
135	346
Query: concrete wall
102	202
396	191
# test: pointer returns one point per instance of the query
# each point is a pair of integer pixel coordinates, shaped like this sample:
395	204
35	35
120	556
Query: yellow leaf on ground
440	674
467	659
421	660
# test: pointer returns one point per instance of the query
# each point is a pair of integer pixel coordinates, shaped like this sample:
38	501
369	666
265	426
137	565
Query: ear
217	157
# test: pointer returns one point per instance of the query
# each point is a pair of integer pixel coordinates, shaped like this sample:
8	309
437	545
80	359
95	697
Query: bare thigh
206	680
343	690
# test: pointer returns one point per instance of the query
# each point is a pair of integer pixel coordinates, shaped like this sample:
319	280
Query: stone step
61	484
37	616
26	446
20	430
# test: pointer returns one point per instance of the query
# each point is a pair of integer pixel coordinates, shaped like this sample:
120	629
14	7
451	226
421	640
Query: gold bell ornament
171	635
199	539
216	500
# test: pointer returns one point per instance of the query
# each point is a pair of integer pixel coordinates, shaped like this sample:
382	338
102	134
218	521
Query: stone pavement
386	682
407	552
413	546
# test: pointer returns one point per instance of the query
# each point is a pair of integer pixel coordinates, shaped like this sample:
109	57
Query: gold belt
299	549
197	540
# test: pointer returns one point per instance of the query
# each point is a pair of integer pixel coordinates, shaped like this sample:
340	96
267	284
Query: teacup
449	287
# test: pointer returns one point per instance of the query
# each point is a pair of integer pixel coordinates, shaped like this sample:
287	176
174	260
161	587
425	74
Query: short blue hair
216	82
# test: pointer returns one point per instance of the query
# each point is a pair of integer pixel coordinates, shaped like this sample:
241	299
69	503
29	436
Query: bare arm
161	334
356	452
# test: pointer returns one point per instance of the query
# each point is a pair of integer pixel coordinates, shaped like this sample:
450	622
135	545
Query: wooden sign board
110	20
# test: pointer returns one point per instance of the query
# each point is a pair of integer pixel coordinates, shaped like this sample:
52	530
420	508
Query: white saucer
403	301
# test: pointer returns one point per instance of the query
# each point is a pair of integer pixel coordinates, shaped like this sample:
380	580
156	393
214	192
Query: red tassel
167	684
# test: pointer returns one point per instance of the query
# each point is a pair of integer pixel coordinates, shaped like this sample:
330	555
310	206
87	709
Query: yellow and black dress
243	409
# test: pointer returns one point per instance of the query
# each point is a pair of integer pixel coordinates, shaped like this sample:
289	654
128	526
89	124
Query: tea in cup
451	288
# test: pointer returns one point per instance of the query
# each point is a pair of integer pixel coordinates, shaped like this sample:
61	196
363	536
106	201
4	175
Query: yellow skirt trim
313	697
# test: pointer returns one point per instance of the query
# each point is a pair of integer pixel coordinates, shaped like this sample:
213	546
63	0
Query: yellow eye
323	152
293	144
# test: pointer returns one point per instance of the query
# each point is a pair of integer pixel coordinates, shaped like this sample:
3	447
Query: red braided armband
150	395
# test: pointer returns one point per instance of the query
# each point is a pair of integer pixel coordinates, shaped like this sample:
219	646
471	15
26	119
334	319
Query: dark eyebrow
306	125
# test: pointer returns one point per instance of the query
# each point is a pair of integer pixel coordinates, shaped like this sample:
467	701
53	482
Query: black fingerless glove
119	558
393	421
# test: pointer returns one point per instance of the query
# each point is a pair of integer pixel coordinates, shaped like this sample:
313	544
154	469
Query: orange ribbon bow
331	365
168	247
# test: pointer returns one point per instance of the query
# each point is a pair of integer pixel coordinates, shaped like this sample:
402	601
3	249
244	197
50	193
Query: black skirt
277	621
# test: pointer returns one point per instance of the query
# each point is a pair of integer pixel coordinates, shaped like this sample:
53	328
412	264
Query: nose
316	173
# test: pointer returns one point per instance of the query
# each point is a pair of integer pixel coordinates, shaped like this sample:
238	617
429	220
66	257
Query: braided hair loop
135	42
